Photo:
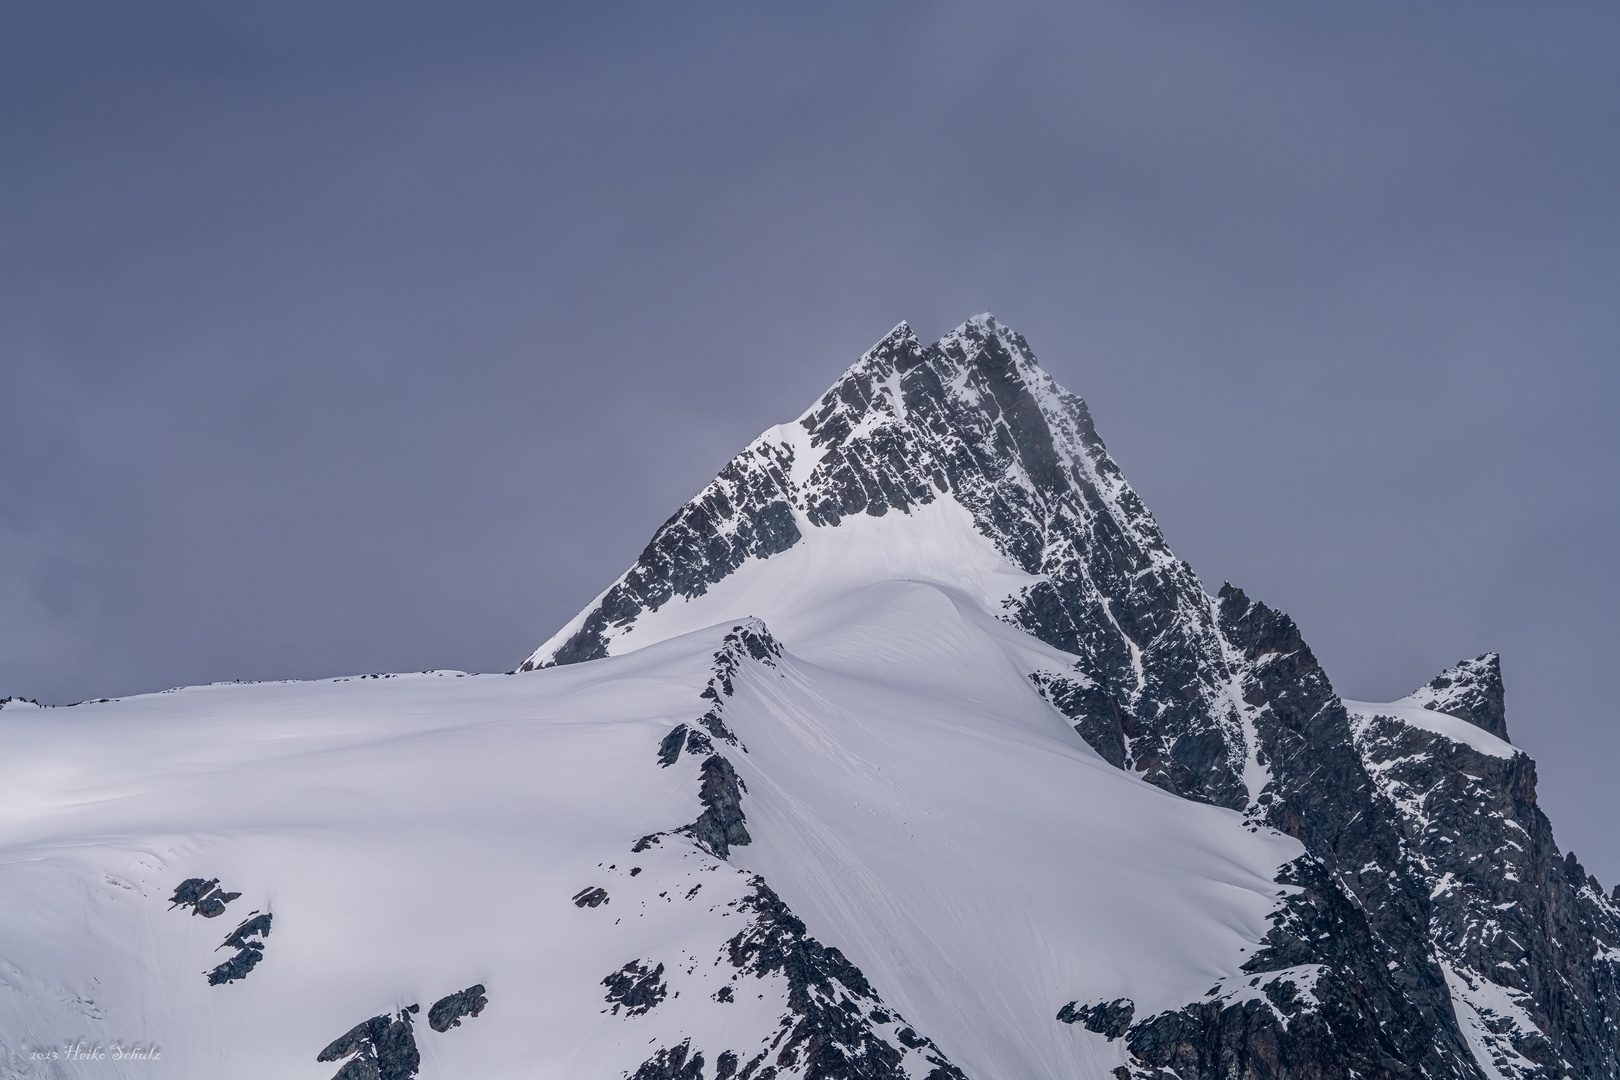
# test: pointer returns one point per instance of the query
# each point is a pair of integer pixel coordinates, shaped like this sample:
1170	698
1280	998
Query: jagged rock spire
1470	690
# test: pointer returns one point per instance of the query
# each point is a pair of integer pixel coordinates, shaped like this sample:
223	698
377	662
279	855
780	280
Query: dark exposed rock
202	897
831	1029
383	1048
690	740
670	749
256	927
247	940
721	824
237	967
1093	712
214	903
698	744
717	726
672	1064
591	897
636	988
1239	1040
449	1010
747	640
191	890
353	1041
1108	1018
1346	1021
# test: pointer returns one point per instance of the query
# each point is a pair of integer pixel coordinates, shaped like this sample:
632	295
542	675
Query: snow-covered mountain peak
909	752
964	465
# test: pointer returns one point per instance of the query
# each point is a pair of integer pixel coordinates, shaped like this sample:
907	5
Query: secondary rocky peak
1470	690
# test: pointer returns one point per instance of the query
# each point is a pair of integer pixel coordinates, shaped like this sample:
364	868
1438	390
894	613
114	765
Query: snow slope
1409	710
911	798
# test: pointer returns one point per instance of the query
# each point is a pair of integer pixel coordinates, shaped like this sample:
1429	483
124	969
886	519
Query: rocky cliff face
1432	928
1526	936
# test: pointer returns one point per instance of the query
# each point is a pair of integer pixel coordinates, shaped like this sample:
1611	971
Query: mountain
1526	937
906	748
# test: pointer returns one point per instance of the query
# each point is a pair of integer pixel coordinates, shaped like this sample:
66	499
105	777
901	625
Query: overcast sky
361	337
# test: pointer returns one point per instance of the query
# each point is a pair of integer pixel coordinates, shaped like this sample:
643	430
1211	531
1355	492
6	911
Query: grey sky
364	337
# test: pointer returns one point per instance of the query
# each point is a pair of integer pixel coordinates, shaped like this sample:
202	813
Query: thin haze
361	337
